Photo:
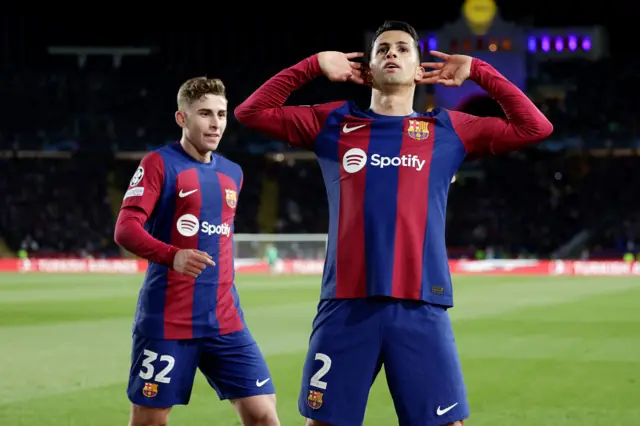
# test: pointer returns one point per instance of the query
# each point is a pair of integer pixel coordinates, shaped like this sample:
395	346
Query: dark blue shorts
352	339
163	371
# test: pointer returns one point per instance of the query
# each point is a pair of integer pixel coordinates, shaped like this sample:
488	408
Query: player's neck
193	152
397	103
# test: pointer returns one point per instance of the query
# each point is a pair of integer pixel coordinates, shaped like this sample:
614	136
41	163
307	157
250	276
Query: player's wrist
476	69
314	65
171	256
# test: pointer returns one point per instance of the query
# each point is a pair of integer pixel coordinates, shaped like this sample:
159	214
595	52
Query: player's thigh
162	371
342	362
145	416
422	365
257	410
235	367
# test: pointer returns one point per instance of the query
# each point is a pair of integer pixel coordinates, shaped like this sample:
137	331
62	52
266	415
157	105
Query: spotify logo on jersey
354	160
188	225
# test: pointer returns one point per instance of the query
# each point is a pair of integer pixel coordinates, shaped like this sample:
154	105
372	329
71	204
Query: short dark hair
396	26
196	88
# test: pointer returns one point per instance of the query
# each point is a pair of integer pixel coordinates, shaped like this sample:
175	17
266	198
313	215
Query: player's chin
391	80
211	143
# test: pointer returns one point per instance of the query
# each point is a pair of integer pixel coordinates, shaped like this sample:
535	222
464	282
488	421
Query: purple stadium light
559	44
546	44
586	43
433	43
573	43
531	44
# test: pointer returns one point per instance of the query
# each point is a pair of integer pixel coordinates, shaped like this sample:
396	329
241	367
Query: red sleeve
138	204
265	112
524	124
146	184
131	235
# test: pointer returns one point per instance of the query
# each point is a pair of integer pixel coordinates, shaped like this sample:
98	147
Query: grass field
535	351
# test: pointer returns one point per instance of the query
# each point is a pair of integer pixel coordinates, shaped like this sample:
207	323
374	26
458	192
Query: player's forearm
526	121
131	235
263	110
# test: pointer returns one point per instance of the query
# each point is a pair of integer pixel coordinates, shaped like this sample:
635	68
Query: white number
326	366
161	377
150	356
147	370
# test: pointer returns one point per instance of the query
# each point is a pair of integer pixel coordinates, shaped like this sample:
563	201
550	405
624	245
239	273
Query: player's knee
316	423
458	423
147	416
257	410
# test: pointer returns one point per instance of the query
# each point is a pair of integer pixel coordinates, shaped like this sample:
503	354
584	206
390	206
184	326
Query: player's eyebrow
387	44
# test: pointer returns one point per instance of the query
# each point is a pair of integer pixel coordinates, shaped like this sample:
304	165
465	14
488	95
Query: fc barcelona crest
232	198
315	399
418	130
150	390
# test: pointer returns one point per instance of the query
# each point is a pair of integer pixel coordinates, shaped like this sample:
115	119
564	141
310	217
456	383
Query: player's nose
391	53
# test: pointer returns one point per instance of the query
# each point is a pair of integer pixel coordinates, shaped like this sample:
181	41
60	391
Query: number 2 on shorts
316	381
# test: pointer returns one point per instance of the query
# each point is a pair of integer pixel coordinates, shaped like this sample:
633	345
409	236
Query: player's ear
180	119
419	73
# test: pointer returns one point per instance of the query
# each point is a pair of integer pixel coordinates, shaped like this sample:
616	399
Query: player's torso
387	180
197	204
196	210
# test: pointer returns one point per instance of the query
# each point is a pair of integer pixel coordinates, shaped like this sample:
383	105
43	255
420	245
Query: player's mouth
390	66
212	135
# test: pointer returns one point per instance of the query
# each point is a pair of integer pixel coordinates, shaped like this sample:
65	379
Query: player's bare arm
265	112
524	124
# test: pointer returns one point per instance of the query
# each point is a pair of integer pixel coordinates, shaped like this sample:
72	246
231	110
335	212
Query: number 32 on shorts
147	369
316	379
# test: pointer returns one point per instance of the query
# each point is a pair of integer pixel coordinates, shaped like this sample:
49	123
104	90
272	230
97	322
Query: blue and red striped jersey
189	205
387	178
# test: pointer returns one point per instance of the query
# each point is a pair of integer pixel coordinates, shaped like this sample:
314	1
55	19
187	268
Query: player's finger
430	80
439	54
430	74
353	55
355	65
448	83
203	258
200	266
190	272
204	253
436	65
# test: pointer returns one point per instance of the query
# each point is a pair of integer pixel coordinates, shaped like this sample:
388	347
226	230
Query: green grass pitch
536	351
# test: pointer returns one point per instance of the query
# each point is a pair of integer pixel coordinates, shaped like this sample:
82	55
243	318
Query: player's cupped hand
339	67
452	72
192	262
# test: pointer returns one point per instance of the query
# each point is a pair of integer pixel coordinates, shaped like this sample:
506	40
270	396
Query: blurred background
85	97
83	101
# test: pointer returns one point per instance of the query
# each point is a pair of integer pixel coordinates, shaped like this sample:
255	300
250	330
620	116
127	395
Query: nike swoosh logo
261	383
348	129
183	194
443	411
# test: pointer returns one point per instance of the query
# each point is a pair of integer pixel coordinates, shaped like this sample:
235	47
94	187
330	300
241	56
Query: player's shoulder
444	118
329	108
228	167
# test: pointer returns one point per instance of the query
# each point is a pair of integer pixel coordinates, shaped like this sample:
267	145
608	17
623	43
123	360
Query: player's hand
191	262
452	72
338	67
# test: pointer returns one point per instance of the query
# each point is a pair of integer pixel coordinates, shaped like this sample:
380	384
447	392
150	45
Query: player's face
395	60
204	122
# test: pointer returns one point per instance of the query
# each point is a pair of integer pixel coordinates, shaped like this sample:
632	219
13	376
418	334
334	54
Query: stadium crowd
524	204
